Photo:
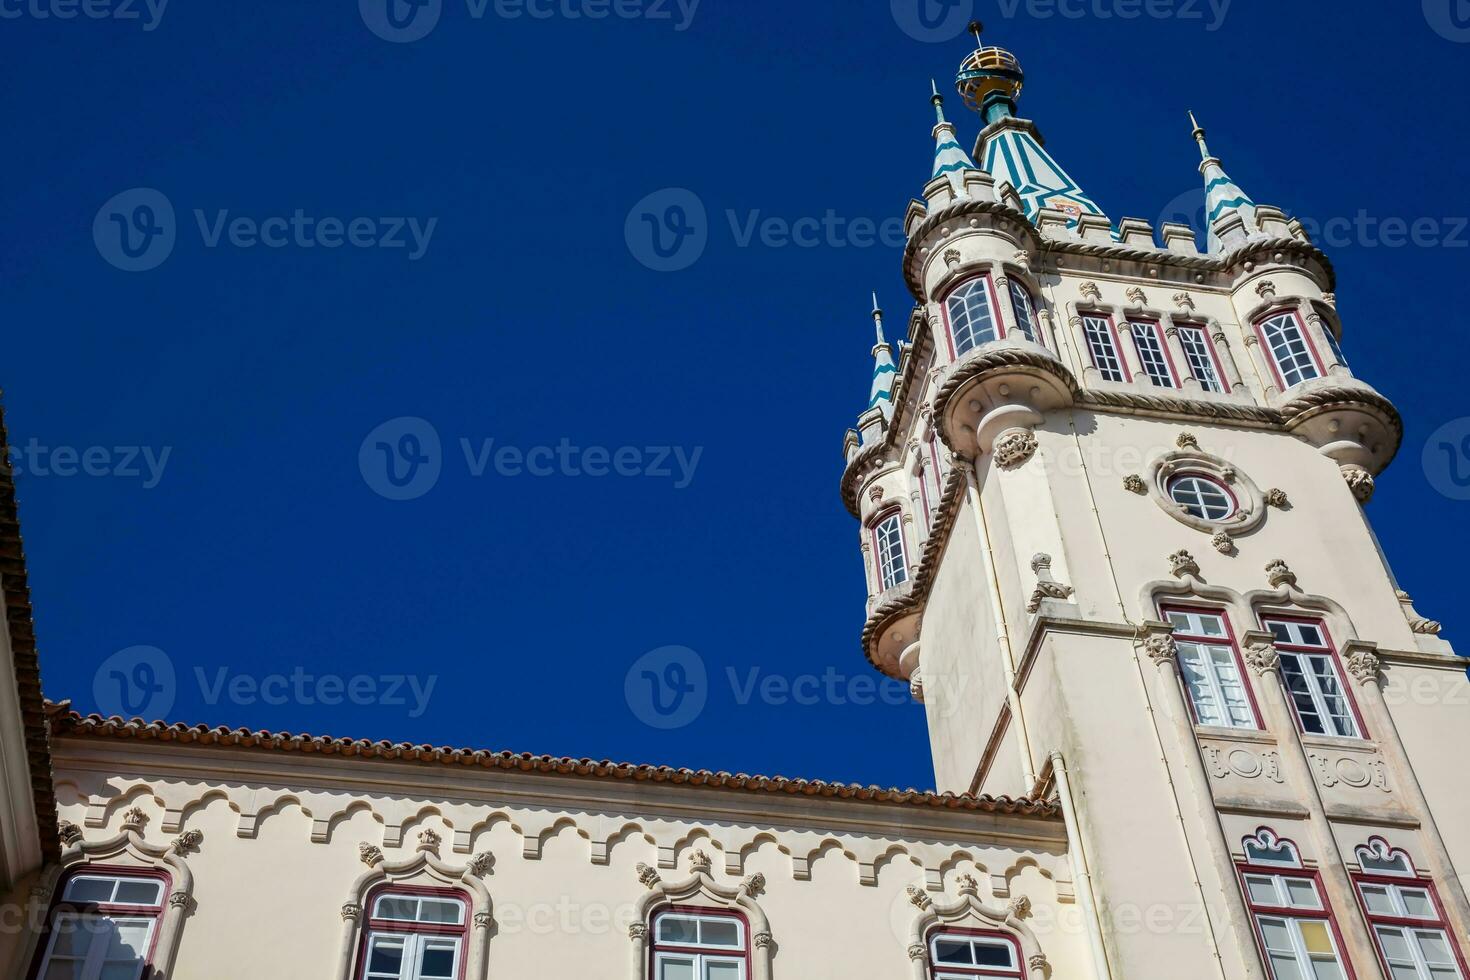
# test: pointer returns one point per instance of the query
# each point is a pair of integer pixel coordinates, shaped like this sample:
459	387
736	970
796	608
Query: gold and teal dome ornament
990	79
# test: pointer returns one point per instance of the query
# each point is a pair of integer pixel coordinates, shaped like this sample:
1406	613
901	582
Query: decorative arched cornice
968	910
991	215
999	358
701	889
424	867
1275	251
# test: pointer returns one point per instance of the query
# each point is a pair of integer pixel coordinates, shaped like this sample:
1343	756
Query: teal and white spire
885	371
950	158
1222	195
990	82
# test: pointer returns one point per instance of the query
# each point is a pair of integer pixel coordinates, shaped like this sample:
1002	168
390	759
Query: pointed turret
885	371
990	82
950	158
1222	198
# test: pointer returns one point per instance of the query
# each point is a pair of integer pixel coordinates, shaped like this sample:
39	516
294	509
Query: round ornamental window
1202	497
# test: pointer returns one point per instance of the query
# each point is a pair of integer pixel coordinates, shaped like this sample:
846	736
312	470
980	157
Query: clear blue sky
262	549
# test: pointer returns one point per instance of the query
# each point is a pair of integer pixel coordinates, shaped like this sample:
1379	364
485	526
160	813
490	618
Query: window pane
994	954
953	952
719	932
1327	968
135	891
1284	966
89	890
1315	937
437	962
1417	903
63	970
1262	891
1303	893
678	931
676	968
723	969
1435	946
971	320
1378	901
439	910
1151	354
1201	363
1024	310
398	908
1099	334
386	958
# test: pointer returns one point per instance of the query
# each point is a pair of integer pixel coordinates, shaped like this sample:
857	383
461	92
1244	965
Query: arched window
1102	344
104	927
1204	364
1210	664
888	548
1294	924
414	934
959	954
970	310
1024	308
1375	857
1148	337
1292	357
1313	677
1203	497
698	944
1266	848
1405	915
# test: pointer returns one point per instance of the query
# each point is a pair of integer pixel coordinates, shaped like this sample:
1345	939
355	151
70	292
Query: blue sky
237	392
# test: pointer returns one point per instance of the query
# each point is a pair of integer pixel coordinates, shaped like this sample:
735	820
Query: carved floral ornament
1013	449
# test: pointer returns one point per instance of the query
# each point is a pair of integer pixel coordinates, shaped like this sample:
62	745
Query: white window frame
888	551
414	945
1102	344
1023	307
417	934
1213	679
1408	927
88	920
973	320
952	971
1290	350
1281	913
1190	484
1319	660
1148	339
699	955
1201	357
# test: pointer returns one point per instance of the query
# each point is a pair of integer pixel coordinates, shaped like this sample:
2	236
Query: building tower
1112	520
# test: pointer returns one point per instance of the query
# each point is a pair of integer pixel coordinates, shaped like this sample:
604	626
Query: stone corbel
1047	587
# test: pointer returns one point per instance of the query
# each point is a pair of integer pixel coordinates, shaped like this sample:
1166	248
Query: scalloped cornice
1301	407
982	361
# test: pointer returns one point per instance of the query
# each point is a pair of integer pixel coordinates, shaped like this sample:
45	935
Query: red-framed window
1293	357
1296	929
1211	667
1153	353
1102	344
1313	674
1203	496
888	550
959	954
972	315
699	944
1406	917
1023	307
414	933
929	480
104	926
1203	359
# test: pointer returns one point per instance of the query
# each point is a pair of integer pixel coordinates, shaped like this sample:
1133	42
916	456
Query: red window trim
396	928
1210	478
1158	329
1342	675
1411	880
1250	691
1038	340
1213	351
1117	344
903	545
1325	914
655	947
1260	329
1000	324
128	911
973	971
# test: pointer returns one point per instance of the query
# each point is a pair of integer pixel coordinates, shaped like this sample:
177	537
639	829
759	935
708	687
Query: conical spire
1222	195
950	158
885	372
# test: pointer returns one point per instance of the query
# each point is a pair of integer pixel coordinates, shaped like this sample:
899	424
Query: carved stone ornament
1184	301
134	819
918	899
1276	497
69	833
916	685
1363	665
1223	543
1013	450
1019	907
370	854
918	952
188	842
1160	648
1187	440
637	930
1417	623
1090	289
351	911
1360	482
1265	289
1278	573
481	863
178	900
968	883
1023	259
700	863
754	884
1138	296
762	940
952	257
1262	657
1047	587
1182	563
1330	299
482	919
1133	483
647	877
429	840
875	493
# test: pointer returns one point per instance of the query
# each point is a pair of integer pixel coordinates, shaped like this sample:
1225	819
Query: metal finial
1199	135
878	320
977	28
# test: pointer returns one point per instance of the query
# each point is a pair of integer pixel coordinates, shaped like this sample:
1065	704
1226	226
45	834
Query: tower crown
990	79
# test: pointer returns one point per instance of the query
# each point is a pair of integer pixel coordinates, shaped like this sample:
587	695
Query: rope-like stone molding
981	362
1164	405
969	207
1311	403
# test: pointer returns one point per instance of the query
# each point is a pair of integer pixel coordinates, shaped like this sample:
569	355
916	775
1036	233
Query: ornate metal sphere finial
988	74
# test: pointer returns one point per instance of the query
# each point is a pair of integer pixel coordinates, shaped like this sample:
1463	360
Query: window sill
1254	736
1342	742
